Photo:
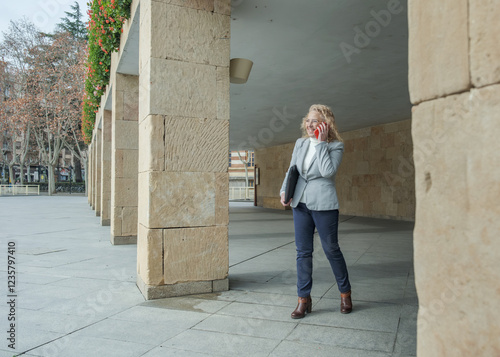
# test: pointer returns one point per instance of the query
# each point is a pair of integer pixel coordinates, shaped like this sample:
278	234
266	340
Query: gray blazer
319	181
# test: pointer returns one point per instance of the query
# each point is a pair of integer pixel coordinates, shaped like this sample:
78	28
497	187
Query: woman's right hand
283	200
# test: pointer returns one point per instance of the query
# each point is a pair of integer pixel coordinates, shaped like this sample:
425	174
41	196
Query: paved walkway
76	293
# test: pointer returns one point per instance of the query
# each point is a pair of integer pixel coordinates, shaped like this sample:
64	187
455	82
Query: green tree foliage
73	23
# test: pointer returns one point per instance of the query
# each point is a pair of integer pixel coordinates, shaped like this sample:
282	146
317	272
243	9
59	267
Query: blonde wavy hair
327	115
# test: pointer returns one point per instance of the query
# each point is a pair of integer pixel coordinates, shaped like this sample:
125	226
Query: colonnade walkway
76	293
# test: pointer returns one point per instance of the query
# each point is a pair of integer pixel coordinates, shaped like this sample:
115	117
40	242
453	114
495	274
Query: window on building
251	159
230	159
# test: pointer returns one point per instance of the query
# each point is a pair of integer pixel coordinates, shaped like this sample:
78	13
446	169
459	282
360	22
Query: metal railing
241	193
14	190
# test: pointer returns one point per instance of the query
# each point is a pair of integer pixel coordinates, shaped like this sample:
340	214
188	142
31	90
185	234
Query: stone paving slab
77	295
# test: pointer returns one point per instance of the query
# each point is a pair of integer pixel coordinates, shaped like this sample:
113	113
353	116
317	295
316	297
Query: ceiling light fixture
239	70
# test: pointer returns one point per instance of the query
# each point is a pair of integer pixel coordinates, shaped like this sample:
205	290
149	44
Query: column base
105	222
151	292
122	240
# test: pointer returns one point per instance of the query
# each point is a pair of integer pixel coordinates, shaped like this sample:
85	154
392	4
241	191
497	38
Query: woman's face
313	119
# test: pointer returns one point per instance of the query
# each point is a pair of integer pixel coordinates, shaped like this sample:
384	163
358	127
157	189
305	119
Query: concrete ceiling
298	61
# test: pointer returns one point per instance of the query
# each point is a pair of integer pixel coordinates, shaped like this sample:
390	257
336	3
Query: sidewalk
76	293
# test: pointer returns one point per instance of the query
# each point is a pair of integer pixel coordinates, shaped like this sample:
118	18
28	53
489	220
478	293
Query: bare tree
245	164
17	42
58	90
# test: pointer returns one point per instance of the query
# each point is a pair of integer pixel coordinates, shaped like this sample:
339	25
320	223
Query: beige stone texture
271	202
196	145
126	163
183	147
177	199
125	192
145	84
145	44
195	254
97	168
273	163
223	102
126	97
124	158
116	221
127	134
131	105
150	255
375	178
438	50
106	169
223	7
126	83
221	199
484	27
151	292
90	175
124	225
457	250
182	89
152	143
206	5
187	34
129	221
143	199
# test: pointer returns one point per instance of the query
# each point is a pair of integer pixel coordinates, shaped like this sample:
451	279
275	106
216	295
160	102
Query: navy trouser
326	222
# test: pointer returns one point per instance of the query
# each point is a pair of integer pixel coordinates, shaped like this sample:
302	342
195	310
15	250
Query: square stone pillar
88	175
124	156
455	86
106	126
97	170
183	147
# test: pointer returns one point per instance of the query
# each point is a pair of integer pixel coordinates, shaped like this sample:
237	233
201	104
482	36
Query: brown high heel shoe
304	305
345	302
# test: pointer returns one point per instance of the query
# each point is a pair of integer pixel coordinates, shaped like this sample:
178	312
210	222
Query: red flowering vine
104	27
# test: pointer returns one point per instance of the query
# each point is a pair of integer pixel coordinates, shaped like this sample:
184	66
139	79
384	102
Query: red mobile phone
316	132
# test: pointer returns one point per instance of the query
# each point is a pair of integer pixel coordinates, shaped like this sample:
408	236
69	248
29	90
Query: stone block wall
273	163
455	128
375	179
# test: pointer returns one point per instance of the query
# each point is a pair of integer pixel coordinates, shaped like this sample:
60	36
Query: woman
315	204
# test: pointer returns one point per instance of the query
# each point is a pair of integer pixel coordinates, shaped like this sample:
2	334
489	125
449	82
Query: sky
45	14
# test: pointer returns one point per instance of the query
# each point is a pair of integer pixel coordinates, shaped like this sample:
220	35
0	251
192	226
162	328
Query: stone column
88	176
106	126
93	166
454	61
97	170
124	156
183	152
